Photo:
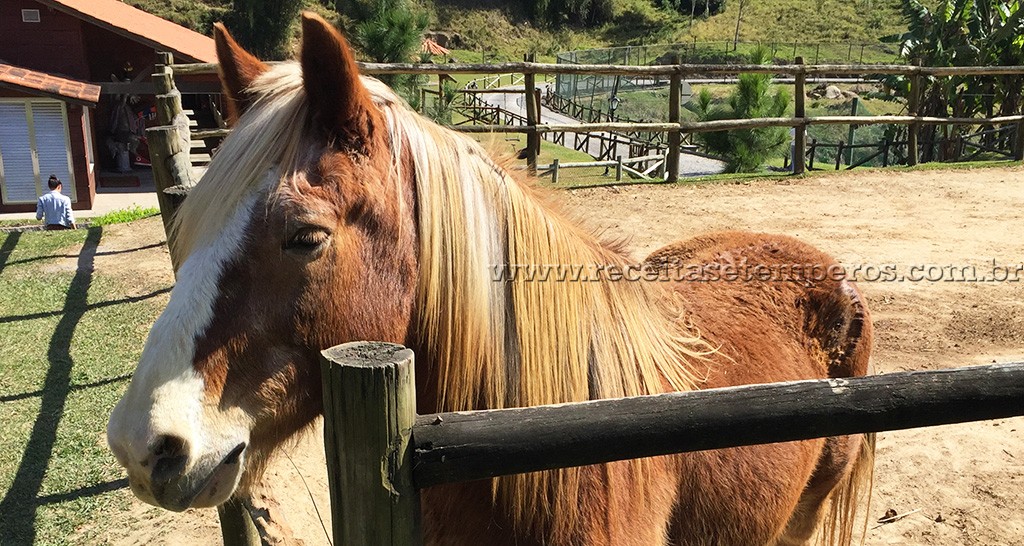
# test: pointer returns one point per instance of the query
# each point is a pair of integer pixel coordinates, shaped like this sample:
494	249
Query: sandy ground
961	484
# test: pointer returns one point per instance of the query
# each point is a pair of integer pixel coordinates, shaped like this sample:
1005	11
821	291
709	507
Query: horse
335	213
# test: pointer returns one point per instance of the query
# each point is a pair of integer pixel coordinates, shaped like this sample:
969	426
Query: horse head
300	236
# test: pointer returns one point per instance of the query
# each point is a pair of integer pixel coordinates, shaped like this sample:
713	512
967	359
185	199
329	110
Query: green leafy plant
745	150
962	33
391	31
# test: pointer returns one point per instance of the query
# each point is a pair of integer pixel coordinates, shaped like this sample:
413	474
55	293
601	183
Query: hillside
505	31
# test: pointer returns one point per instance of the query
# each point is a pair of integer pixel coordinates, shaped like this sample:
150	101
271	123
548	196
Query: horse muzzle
167	480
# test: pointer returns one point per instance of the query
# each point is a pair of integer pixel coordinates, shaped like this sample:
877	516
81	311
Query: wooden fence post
440	94
852	133
369	412
674	136
913	106
618	168
532	117
168	104
236	525
554	171
1018	142
800	111
839	155
169	144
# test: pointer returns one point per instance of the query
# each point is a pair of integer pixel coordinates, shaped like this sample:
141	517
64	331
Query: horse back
776	308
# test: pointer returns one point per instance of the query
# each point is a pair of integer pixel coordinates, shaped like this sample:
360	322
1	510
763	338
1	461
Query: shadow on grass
21	503
107	253
100	383
90	491
69	308
5	251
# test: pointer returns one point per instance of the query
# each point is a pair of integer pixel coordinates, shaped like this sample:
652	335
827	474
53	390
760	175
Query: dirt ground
960	484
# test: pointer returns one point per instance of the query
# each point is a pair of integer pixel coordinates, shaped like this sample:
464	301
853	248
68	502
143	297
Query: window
34	143
30	16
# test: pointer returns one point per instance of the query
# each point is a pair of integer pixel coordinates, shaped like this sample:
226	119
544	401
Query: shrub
745	150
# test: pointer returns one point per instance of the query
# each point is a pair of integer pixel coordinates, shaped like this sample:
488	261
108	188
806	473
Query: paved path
689	165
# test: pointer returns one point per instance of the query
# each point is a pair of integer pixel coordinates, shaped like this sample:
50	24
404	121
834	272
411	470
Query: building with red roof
73	75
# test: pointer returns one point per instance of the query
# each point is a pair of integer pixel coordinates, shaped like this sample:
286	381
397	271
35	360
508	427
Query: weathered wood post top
369	413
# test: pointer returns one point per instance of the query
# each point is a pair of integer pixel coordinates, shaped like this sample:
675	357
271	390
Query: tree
739	19
265	27
390	31
745	150
574	12
962	33
695	8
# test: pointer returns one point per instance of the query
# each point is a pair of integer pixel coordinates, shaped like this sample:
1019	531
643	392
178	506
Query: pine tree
745	150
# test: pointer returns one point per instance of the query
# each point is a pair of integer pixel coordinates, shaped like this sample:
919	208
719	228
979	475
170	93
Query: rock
833	92
850	95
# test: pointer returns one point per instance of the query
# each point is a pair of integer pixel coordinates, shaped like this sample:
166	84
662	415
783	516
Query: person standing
55	207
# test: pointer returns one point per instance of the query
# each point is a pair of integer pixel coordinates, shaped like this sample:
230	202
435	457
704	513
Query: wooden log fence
482	114
655	70
465	446
620	165
676	129
964	149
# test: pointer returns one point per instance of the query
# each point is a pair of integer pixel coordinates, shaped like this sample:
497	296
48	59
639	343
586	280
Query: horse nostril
170	454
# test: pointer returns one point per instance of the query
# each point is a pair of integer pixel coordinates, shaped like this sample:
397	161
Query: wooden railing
370	417
675	128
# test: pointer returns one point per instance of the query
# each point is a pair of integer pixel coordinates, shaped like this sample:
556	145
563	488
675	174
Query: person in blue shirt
55	207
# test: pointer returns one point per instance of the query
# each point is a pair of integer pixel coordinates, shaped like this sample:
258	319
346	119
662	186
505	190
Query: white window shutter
19	177
52	144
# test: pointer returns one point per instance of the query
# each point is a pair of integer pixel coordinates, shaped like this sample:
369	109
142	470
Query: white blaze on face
166	396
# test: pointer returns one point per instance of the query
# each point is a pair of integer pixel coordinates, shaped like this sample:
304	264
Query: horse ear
338	98
238	69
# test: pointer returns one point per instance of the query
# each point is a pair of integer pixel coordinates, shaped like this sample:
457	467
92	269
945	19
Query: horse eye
307	239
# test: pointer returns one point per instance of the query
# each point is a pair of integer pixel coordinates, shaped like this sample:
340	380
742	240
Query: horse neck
495	340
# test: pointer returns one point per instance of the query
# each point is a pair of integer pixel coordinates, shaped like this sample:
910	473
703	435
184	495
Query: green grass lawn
69	340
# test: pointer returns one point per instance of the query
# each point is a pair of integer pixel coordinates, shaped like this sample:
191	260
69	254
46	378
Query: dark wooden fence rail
455	447
464	446
917	74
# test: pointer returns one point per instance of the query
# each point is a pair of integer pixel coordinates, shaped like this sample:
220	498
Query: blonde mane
490	343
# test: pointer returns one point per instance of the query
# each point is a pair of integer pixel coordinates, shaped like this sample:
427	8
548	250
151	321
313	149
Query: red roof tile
432	47
41	83
161	34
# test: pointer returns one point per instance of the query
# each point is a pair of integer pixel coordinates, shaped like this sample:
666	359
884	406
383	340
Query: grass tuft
124	216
